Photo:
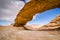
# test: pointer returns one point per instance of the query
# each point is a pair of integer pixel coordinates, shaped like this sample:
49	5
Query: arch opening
44	18
33	7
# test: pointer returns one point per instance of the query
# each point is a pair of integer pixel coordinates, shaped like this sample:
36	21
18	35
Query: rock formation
34	27
55	23
33	7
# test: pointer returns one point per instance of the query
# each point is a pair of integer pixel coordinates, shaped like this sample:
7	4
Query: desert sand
29	35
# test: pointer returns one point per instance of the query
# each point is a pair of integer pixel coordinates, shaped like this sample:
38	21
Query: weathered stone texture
33	7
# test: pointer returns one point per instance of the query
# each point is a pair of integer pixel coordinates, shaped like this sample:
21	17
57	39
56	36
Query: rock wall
54	24
33	7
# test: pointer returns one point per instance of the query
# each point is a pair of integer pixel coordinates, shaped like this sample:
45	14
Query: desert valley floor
29	35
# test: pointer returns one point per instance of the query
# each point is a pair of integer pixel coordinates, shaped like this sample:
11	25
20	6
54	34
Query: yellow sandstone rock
54	24
33	7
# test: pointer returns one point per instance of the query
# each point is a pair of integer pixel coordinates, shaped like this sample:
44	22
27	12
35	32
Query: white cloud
34	17
10	10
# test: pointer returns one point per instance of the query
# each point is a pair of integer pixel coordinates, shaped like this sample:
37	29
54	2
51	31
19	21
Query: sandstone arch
33	7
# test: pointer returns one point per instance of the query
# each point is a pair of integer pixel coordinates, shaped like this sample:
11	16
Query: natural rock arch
33	7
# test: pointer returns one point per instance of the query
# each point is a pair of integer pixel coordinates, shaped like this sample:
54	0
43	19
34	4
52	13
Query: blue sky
4	22
45	17
10	8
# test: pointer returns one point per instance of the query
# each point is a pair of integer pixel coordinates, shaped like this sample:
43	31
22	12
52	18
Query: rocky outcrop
55	23
56	20
33	7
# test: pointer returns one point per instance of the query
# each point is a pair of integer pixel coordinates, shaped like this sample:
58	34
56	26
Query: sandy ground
29	35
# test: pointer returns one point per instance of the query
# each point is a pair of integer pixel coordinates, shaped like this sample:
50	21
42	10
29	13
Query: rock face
33	7
55	23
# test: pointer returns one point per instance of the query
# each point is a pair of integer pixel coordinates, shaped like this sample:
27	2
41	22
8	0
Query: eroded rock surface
33	7
55	23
